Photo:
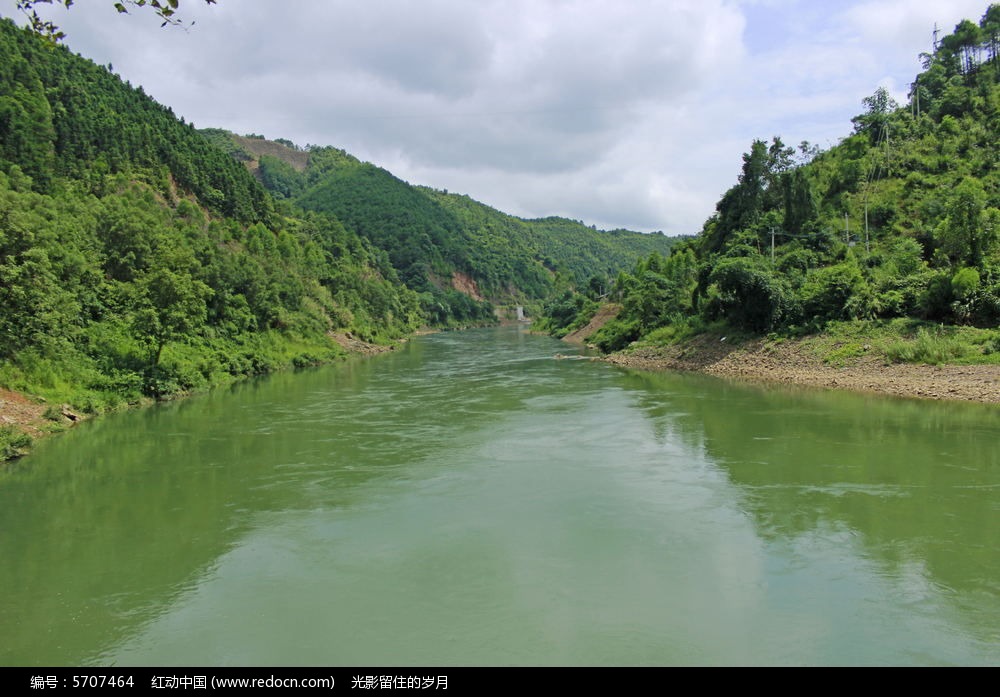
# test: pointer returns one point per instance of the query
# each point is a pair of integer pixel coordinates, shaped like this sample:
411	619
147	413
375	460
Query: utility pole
867	248
847	229
772	244
888	150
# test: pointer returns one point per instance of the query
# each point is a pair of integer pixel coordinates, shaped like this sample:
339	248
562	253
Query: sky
619	113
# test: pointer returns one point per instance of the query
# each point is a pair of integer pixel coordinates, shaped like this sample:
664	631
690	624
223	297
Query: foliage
929	346
747	295
420	237
165	9
64	117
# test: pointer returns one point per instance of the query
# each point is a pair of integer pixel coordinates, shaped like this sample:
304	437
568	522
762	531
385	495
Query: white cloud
623	113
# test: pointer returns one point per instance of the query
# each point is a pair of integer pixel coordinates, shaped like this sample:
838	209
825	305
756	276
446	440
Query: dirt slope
604	315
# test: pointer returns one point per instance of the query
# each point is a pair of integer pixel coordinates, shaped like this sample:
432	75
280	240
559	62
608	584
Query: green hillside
431	236
527	252
139	260
573	246
63	117
898	226
424	242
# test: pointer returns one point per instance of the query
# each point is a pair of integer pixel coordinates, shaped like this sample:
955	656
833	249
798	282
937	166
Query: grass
686	328
905	341
841	343
936	345
928	346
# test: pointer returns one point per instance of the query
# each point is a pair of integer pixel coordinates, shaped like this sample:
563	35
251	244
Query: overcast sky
619	113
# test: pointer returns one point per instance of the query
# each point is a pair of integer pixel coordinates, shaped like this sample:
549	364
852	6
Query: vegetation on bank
13	442
139	261
896	229
843	342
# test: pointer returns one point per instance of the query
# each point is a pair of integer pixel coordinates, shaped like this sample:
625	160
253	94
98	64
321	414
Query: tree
749	297
990	25
879	106
969	232
800	208
741	206
166	10
965	41
172	303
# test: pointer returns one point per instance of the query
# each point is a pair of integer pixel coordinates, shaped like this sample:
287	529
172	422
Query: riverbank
26	418
793	361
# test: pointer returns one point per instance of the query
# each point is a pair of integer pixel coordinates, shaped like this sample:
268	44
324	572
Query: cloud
623	113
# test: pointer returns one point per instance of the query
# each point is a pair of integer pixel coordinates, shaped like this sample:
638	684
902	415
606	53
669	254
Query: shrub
13	443
749	296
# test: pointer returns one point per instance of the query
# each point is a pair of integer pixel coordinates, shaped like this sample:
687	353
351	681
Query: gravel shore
789	362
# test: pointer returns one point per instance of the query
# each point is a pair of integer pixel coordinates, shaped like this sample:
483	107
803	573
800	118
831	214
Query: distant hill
554	244
438	241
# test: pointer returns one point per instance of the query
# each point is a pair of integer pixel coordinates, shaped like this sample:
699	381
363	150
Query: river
470	500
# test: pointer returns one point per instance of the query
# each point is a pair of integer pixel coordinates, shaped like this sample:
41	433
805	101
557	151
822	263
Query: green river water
469	500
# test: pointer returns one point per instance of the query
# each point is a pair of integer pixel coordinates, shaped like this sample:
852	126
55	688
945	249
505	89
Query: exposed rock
22	412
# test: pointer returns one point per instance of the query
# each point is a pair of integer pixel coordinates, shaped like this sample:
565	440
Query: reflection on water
470	500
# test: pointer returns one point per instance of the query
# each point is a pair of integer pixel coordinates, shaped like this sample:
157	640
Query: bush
749	297
13	443
827	292
616	335
964	283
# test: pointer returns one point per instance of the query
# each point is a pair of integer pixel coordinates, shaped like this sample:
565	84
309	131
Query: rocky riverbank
793	362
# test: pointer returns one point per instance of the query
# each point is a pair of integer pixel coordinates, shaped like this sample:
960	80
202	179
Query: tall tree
740	207
990	25
969	231
967	38
878	107
800	208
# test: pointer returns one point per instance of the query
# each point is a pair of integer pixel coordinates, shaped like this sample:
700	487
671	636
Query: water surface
469	499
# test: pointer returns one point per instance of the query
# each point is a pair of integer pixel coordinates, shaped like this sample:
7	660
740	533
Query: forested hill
897	226
62	116
137	259
438	240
